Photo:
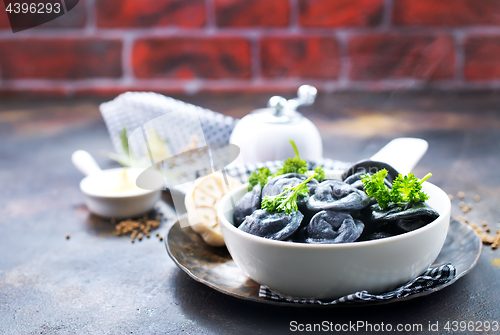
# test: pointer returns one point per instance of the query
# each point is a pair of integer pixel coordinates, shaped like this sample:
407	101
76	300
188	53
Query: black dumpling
333	227
352	176
337	195
370	167
397	218
274	226
249	203
277	185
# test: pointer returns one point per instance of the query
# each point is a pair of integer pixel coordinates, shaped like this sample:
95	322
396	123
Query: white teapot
264	134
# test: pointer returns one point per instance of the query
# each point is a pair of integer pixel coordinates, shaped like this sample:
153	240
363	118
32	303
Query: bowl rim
85	189
285	244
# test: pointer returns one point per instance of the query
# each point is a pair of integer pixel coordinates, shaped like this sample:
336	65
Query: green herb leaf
406	190
124	140
375	187
320	174
259	177
293	165
286	201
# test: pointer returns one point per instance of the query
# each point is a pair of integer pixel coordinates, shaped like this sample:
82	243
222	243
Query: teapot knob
307	94
277	103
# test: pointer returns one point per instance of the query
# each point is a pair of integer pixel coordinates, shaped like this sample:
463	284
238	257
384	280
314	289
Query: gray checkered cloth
242	171
431	279
132	110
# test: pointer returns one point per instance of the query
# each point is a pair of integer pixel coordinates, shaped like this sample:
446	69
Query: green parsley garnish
405	190
375	187
320	173
286	201
408	189
259	177
124	141
293	165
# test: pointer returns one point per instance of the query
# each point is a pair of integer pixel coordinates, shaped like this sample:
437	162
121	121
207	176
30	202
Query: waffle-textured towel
431	279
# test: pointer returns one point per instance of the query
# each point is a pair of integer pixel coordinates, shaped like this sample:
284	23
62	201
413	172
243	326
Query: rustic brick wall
172	46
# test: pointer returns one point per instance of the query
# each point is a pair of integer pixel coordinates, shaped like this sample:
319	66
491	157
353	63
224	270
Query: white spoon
84	162
401	153
100	201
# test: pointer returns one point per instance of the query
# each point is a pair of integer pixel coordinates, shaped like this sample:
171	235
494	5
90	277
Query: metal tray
215	268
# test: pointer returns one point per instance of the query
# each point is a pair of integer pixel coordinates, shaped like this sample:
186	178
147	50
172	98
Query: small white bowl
116	205
329	271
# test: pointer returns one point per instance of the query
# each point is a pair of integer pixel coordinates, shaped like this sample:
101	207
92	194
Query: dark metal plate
215	268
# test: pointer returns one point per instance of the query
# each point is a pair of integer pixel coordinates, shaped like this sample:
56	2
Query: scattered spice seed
477	198
485	238
157	234
137	228
134	234
461	204
450	196
485	223
161	238
496	241
461	194
466	208
67	236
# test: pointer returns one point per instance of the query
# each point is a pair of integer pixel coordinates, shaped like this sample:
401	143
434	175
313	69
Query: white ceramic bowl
119	205
328	271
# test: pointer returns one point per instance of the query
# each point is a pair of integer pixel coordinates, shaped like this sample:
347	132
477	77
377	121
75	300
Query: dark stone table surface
97	283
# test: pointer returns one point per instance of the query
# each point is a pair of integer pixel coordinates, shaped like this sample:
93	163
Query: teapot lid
280	110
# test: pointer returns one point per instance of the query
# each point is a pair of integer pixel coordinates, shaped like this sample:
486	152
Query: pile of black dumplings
333	211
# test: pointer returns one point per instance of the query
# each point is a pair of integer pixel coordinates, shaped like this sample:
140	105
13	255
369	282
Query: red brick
300	57
150	13
60	58
252	13
482	59
4	19
376	57
446	12
185	58
340	13
37	93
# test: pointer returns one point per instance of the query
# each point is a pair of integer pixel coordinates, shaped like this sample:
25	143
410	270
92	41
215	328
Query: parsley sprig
375	187
293	165
320	174
406	190
259	177
286	201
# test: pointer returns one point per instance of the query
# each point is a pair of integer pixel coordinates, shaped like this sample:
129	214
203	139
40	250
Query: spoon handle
84	162
402	153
